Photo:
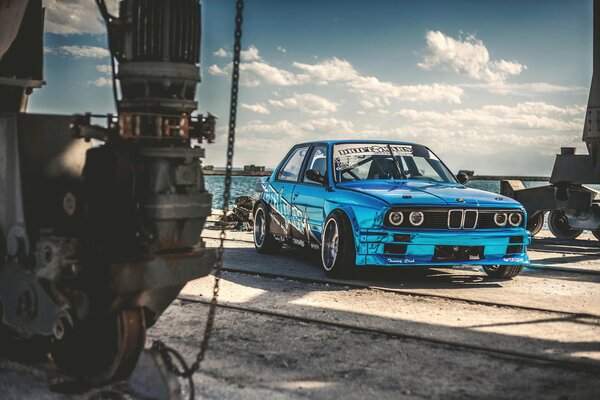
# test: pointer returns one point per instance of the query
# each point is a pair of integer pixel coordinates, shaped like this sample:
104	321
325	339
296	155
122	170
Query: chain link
167	353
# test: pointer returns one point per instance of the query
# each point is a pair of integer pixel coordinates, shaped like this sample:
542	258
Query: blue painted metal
420	249
298	211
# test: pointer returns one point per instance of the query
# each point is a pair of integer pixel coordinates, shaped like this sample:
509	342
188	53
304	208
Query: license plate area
457	253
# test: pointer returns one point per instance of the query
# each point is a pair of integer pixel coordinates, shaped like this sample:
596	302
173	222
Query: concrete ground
284	331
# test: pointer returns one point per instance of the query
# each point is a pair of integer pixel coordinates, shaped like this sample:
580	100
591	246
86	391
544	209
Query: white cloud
522	117
373	92
276	130
377	93
306	103
525	89
469	56
84	51
538	108
330	70
218	71
543	87
329	127
257	108
281	49
103	81
75	16
286	133
105	69
250	55
100	82
256	73
222	53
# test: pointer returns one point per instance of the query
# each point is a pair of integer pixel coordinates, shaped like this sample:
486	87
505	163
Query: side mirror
462	177
315	176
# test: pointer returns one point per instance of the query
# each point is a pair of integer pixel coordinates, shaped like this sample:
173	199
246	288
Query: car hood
401	192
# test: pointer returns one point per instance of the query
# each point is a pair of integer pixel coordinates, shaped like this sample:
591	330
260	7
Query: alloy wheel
260	227
329	249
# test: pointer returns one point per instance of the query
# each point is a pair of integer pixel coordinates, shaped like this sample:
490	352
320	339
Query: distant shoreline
236	172
509	178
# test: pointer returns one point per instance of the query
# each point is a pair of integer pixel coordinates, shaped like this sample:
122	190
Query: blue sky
496	87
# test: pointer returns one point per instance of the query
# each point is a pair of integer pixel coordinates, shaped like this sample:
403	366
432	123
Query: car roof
368	141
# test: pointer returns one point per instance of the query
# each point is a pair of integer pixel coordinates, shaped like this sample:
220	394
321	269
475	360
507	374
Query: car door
283	217
309	198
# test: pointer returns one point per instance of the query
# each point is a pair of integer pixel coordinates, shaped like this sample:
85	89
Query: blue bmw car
387	204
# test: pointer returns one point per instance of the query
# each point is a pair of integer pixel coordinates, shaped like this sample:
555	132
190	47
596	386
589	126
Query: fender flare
257	203
330	208
268	209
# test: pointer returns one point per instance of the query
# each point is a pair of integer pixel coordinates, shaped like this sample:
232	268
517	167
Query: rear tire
264	241
559	226
338	251
503	271
535	223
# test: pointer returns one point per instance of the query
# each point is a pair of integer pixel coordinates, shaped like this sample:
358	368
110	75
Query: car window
318	161
368	167
291	169
420	168
367	161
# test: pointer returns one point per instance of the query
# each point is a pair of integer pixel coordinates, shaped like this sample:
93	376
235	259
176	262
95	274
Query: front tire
559	226
338	252
264	241
503	271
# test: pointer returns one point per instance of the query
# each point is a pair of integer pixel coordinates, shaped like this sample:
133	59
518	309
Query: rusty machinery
100	225
572	206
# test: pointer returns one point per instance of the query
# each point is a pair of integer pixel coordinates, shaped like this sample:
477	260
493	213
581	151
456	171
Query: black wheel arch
348	216
259	202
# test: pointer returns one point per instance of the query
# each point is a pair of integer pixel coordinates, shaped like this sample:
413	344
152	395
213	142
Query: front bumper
387	247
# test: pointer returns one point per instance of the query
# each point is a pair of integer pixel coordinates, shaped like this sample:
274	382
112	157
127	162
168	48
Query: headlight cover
396	218
515	219
500	218
416	218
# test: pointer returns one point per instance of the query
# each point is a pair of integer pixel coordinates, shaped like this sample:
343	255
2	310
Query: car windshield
371	161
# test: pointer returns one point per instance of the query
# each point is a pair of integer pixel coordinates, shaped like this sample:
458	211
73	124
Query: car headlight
416	218
515	219
500	219
396	218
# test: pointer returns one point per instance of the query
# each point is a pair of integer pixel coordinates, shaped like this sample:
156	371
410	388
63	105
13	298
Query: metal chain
167	353
235	78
